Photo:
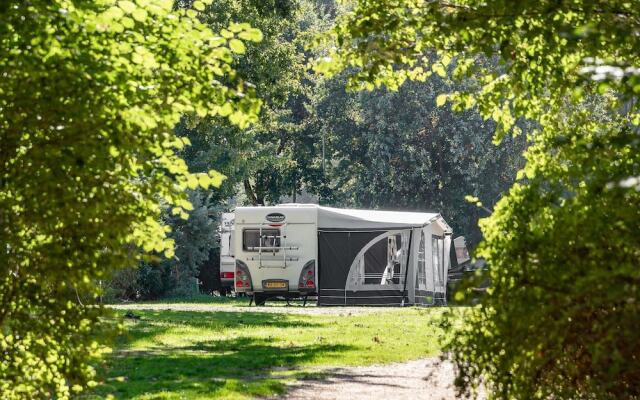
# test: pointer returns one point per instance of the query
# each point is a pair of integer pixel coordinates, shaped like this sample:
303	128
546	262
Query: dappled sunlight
172	354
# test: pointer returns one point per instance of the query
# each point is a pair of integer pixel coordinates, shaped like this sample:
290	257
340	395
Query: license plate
276	284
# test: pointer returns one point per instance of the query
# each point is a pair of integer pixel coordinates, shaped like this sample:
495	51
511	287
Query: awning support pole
406	268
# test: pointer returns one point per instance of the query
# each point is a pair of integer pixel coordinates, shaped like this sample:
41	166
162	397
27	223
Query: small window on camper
252	241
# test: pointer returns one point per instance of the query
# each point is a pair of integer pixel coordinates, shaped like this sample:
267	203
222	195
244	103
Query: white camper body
275	244
227	259
345	256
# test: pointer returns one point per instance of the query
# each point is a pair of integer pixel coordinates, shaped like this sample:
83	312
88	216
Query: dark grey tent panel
336	252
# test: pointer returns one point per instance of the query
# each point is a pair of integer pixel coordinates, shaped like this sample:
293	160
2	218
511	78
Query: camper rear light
243	277
226	275
307	276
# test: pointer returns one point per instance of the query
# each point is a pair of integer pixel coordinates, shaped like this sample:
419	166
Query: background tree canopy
317	142
89	97
398	150
559	320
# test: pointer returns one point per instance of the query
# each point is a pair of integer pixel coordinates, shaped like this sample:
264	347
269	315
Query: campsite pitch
231	351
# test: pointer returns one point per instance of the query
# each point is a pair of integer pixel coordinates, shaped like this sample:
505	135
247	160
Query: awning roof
354	219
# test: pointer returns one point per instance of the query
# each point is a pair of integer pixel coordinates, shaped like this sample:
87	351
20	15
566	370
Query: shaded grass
196	299
237	355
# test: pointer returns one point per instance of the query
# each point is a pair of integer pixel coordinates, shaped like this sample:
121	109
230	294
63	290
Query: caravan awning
336	218
330	218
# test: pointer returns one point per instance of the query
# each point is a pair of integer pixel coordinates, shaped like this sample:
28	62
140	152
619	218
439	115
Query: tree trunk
249	192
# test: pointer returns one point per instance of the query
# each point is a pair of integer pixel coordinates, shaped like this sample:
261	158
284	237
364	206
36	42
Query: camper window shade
251	240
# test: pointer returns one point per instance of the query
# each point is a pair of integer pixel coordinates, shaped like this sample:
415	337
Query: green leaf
114	13
127	22
139	14
169	253
237	46
226	34
471	199
253	35
438	68
192	181
198	5
441	100
235	28
204	181
216	178
127	6
225	110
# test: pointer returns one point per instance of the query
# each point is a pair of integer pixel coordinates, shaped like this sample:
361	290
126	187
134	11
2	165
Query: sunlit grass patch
237	355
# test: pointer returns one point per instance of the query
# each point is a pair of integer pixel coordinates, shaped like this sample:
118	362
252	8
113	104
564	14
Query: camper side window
252	241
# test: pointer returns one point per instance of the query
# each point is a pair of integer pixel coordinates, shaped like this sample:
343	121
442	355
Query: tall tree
275	157
388	149
560	318
90	93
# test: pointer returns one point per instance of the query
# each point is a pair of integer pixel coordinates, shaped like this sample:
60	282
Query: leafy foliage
561	317
398	150
257	158
548	49
558	321
89	96
194	237
276	156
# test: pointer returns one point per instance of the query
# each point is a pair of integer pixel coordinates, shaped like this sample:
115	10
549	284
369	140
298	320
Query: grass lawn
239	354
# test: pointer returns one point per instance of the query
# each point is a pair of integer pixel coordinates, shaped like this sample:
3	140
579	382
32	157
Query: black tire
259	299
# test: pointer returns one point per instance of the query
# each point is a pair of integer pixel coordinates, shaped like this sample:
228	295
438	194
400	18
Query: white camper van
344	256
227	260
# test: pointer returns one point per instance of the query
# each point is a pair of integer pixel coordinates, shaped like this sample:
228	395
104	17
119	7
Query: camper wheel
260	299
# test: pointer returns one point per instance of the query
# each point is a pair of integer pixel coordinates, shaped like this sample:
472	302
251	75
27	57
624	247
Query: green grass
197	299
238	355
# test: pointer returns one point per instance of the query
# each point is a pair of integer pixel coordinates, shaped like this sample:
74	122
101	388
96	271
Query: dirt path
427	378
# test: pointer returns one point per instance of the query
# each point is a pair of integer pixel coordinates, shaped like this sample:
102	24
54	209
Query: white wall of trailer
227	259
298	243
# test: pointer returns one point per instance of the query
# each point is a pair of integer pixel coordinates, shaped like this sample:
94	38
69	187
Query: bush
561	317
90	92
152	281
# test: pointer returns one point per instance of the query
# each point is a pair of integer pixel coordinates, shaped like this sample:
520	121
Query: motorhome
342	256
227	260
